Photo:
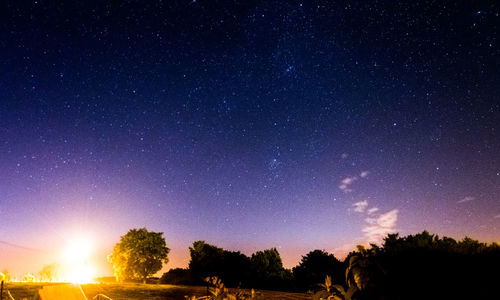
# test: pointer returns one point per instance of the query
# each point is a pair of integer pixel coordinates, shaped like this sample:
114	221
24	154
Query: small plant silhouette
334	291
218	291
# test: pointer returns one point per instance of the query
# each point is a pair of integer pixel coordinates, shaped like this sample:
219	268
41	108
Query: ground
122	291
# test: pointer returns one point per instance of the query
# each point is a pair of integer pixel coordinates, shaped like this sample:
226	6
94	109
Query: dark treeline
264	269
421	266
424	266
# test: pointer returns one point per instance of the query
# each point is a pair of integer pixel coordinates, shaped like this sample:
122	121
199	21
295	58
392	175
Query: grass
122	291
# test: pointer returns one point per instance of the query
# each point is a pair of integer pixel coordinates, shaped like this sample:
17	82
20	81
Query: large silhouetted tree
139	254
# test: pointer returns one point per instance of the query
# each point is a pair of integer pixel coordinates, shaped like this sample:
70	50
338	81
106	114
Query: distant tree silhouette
233	268
236	269
139	254
267	263
314	267
268	271
263	270
206	260
49	273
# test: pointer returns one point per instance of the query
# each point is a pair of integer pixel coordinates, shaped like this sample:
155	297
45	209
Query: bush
177	276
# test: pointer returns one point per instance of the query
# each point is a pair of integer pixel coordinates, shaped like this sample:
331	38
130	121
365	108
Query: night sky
248	124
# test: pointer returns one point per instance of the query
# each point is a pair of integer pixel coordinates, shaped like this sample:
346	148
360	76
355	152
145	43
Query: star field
248	124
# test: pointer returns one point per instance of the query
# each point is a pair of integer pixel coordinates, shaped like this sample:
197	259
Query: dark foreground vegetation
421	266
125	291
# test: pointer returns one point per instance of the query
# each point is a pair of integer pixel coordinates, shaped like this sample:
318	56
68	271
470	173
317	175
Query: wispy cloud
466	199
377	228
497	217
360	206
377	225
346	183
349	180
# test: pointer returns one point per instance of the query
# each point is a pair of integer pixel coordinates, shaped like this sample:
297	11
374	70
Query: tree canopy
208	260
139	254
267	263
268	270
314	267
264	269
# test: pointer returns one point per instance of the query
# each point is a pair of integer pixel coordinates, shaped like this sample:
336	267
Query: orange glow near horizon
76	267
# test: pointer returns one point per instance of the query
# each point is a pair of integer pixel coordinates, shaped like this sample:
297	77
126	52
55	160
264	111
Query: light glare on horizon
76	266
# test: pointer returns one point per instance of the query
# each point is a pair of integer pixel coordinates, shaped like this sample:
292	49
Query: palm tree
358	272
362	278
365	273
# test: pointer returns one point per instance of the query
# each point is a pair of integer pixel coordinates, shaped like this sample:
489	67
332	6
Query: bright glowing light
80	274
76	268
77	251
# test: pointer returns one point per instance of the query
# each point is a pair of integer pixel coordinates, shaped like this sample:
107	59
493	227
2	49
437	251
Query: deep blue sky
248	124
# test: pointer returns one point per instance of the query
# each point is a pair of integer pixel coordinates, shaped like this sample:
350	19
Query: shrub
177	276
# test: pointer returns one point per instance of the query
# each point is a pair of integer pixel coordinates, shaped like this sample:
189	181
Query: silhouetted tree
314	267
205	261
267	263
365	275
236	269
233	268
268	271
